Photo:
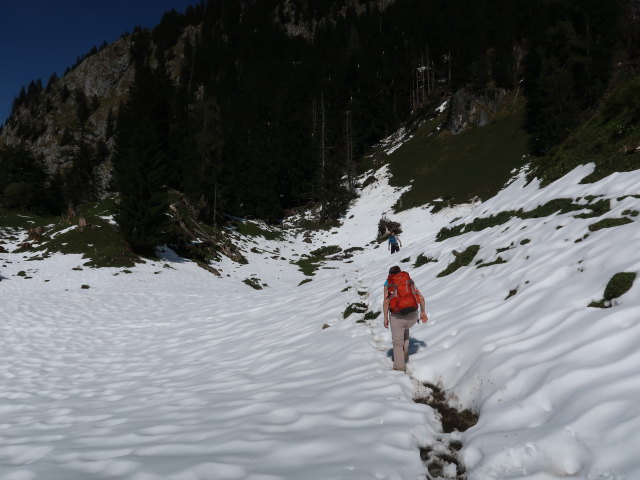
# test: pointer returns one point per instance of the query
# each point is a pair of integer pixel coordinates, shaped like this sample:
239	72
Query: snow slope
169	372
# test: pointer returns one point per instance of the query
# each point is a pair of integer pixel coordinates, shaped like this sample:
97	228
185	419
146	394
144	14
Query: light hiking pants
400	325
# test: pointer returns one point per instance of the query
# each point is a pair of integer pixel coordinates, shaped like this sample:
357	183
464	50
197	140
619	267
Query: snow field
182	375
555	383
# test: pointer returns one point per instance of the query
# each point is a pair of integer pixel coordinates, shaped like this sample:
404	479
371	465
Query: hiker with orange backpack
400	305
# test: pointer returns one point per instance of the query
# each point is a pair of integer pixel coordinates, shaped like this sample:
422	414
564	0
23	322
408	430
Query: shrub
368	181
20	195
609	223
354	308
422	260
325	251
619	284
497	261
371	315
253	283
462	260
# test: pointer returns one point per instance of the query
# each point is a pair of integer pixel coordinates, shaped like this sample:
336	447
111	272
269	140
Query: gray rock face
106	76
473	110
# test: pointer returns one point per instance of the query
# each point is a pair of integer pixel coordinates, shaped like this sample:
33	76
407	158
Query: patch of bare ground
442	459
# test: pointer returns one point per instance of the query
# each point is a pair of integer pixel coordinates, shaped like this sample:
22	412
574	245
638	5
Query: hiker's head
395	269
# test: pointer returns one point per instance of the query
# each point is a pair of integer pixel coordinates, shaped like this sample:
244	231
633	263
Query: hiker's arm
423	309
385	308
399	241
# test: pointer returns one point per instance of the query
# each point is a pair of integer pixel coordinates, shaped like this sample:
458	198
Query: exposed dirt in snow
442	459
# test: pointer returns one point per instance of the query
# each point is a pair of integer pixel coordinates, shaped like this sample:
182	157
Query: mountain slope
170	372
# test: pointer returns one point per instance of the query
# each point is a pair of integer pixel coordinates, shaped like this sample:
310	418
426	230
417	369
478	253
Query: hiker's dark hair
395	269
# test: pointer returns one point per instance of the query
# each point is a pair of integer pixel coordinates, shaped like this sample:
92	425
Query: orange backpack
401	293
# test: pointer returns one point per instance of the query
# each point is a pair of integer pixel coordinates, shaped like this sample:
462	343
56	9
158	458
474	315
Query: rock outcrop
473	110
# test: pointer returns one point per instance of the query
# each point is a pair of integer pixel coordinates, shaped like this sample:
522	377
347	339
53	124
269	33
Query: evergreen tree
79	152
23	181
240	127
568	65
140	179
198	149
140	163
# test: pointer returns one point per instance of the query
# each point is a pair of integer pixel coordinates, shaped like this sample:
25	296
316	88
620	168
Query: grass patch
608	138
609	223
253	283
454	167
371	315
423	260
477	225
354	308
598	209
254	229
617	286
462	260
308	264
511	293
558	205
14	219
311	225
306	280
584	237
326	251
600	304
497	261
101	242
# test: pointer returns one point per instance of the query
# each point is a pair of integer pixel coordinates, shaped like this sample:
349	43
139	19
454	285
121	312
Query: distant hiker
394	242
400	305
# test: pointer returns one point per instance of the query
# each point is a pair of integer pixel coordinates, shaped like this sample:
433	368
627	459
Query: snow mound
165	371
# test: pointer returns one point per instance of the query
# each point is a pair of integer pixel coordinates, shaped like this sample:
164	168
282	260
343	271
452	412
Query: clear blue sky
40	37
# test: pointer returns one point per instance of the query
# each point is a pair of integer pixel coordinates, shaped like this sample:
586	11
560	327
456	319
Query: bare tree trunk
428	74
322	159
314	131
416	75
215	201
433	75
350	163
422	71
